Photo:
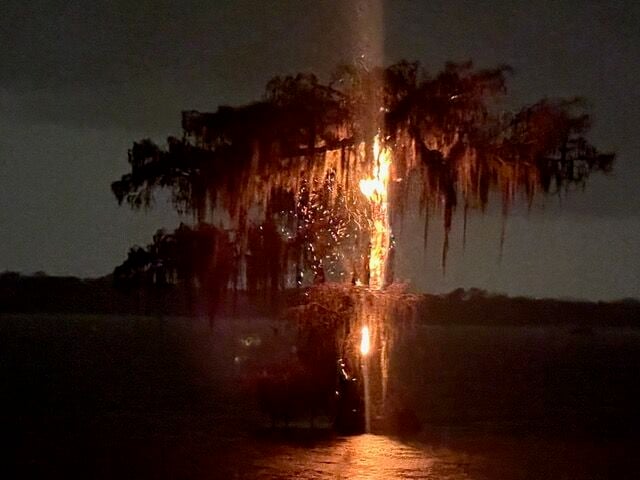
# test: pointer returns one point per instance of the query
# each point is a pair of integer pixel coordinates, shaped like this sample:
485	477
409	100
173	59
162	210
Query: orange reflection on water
366	457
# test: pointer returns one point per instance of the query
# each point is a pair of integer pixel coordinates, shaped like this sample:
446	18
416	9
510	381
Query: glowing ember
376	189
364	342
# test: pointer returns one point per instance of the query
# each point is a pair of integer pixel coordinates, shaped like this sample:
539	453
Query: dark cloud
125	63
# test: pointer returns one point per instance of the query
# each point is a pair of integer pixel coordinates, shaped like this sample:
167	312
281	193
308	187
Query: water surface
118	397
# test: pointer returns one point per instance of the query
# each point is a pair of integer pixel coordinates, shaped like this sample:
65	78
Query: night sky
80	81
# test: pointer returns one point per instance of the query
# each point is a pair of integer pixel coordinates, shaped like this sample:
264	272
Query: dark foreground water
110	397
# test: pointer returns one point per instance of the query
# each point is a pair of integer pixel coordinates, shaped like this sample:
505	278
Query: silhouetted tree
284	170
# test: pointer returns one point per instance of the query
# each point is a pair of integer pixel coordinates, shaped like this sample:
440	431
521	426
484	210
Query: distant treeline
477	307
40	293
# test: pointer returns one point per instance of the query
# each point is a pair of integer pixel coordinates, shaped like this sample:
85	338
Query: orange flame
365	344
376	189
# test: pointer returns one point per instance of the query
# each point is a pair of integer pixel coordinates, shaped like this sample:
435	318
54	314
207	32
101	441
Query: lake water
111	397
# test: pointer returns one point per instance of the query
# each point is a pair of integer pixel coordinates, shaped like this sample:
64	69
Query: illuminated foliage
281	174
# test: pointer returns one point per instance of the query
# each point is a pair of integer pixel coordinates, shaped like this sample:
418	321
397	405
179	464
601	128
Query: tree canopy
279	176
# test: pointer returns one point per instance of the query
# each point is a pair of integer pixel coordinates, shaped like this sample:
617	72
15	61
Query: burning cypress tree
307	184
292	165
